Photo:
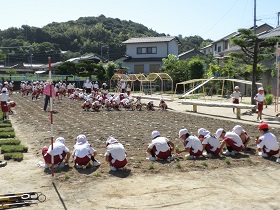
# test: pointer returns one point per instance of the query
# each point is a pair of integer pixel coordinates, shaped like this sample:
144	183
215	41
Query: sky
210	19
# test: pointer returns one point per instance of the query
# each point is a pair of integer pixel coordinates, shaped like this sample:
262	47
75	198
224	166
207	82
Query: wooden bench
217	104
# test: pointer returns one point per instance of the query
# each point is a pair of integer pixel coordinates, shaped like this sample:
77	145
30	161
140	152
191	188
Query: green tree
86	69
196	68
66	68
111	66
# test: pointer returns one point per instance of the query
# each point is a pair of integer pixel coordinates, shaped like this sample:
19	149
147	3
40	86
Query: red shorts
260	106
235	101
48	157
231	143
117	163
82	161
162	155
4	106
271	152
208	148
198	153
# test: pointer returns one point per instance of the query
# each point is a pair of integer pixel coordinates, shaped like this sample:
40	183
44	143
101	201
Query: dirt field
246	181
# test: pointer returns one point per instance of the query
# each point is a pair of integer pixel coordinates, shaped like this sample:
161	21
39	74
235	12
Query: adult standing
47	94
88	86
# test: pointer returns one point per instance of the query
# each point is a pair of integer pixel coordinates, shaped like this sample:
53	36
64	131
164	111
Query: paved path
223	113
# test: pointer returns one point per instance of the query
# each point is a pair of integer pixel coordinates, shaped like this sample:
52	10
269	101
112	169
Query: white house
145	54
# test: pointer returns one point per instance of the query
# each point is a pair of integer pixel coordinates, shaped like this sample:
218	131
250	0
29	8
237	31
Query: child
260	99
192	144
128	89
209	142
231	140
86	105
60	151
150	106
160	147
96	105
162	104
83	152
115	154
267	144
4	98
242	134
138	103
235	96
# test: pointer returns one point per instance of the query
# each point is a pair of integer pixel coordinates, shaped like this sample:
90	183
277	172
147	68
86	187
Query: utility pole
255	18
278	19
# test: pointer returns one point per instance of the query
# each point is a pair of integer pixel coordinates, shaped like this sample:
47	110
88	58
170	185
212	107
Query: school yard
246	181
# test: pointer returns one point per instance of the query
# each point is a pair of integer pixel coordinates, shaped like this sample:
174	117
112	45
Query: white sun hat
155	134
237	129
219	132
203	132
81	139
183	132
60	140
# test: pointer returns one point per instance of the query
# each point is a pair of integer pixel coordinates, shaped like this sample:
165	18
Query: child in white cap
242	134
192	144
150	106
60	151
138	103
267	143
260	99
162	104
4	98
160	147
236	95
209	142
83	152
115	154
231	140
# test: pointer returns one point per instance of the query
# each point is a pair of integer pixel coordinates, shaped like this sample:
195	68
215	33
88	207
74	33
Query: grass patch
227	160
205	164
13	148
7	129
17	156
9	142
139	160
151	166
249	160
178	165
96	174
67	176
7	134
5	125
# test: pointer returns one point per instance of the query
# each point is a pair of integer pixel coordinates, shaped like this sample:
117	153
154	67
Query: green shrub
9	142
17	156
269	99
4	125
13	148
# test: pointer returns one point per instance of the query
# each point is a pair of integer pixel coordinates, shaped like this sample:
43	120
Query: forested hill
100	35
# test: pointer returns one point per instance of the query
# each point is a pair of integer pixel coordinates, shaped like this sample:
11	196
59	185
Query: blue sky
207	18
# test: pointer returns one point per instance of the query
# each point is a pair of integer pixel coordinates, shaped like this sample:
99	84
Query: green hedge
7	134
7	129
13	148
269	99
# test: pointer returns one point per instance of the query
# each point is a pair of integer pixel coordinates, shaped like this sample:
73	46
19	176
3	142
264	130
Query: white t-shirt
117	152
58	149
212	141
88	85
259	97
160	143
194	143
234	137
83	150
236	94
4	97
269	141
123	85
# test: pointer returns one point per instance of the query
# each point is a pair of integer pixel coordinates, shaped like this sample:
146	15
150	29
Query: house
190	54
145	54
222	46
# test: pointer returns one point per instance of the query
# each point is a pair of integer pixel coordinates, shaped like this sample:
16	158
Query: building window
226	45
215	47
219	49
154	68
146	50
138	69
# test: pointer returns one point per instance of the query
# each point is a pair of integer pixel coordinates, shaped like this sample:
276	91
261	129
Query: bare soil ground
246	181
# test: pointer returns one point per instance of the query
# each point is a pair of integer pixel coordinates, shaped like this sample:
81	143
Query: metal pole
51	115
255	18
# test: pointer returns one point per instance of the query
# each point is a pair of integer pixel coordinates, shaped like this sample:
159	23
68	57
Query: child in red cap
260	99
267	144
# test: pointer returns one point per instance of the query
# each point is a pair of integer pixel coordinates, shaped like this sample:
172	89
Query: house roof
190	51
142	59
272	33
151	40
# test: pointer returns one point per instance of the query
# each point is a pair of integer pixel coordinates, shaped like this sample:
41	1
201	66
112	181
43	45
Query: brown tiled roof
150	39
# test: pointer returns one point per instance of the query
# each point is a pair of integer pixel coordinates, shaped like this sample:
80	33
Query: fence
39	77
